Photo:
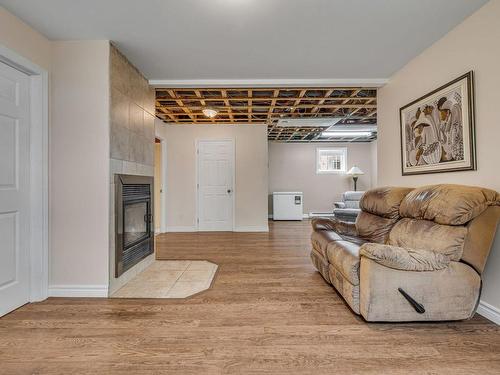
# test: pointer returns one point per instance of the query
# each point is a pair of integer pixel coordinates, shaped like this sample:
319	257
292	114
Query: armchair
348	209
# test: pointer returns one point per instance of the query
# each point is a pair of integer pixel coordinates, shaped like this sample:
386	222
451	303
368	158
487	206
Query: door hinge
198	220
197	186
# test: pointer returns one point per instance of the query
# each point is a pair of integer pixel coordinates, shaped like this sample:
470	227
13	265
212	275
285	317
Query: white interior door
14	189
215	185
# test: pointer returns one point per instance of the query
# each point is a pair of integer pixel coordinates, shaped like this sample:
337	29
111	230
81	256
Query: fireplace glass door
136	223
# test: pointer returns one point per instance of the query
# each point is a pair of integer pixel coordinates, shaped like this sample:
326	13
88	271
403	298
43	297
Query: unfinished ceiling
348	109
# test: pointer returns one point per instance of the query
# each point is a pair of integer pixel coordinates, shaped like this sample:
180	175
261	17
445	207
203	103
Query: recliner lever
419	308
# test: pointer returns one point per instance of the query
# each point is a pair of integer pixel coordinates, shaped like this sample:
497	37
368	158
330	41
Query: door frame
164	180
197	178
39	175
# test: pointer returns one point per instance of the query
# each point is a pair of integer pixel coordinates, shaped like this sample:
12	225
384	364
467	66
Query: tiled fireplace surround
132	143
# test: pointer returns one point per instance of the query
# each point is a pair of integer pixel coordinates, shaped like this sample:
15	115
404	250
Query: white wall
473	45
292	167
251	164
79	164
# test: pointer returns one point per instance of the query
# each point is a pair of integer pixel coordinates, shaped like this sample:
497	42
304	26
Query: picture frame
437	130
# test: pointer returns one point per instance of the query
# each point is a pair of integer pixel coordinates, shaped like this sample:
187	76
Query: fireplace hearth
133	220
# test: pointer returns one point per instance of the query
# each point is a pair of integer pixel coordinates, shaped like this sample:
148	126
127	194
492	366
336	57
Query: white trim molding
238	83
490	312
78	291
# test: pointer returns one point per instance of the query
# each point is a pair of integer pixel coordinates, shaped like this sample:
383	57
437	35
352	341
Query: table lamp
355	172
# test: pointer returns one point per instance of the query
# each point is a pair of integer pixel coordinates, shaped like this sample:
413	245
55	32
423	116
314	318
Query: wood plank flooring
269	312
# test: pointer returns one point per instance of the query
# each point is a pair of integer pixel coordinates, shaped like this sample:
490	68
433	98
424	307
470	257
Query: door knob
229	191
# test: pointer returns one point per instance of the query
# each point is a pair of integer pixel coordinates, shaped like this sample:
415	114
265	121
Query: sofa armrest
339	204
341	227
404	259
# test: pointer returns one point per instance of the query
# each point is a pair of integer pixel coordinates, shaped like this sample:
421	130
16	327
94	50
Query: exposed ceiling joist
353	105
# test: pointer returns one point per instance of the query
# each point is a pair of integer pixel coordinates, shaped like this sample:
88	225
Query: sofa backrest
456	220
379	212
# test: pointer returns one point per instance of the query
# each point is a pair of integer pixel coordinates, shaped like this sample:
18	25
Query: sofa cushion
427	235
448	204
344	256
384	201
320	240
339	226
405	259
374	228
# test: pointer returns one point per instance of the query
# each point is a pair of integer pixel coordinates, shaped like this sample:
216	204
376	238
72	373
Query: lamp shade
355	171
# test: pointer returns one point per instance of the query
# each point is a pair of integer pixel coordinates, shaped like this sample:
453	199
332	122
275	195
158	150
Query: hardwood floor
268	312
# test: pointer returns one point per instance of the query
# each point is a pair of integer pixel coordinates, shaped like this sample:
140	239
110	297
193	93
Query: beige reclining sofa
413	254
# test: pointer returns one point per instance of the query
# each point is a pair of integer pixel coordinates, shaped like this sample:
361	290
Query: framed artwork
437	130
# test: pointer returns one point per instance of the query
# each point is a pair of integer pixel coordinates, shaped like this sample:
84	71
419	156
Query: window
331	160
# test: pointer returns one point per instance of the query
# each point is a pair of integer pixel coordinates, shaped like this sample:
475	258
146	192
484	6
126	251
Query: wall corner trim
489	312
78	291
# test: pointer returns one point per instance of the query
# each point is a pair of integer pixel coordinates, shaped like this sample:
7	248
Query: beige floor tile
169	279
176	265
195	276
183	289
159	275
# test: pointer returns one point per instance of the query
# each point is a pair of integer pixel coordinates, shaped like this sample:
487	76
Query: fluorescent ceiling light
209	112
353	128
336	134
317	122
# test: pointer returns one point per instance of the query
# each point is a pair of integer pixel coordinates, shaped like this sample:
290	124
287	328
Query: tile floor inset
170	279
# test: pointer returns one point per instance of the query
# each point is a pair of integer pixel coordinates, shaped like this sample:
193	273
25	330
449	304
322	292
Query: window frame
342	150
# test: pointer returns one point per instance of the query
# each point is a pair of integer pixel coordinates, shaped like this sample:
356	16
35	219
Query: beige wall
21	38
292	167
473	45
250	172
79	171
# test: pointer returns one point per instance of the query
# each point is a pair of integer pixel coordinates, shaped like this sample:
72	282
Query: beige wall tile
119	110
119	72
136	119
149	126
148	152
136	149
119	138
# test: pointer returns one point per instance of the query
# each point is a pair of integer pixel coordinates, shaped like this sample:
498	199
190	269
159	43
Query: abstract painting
437	130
